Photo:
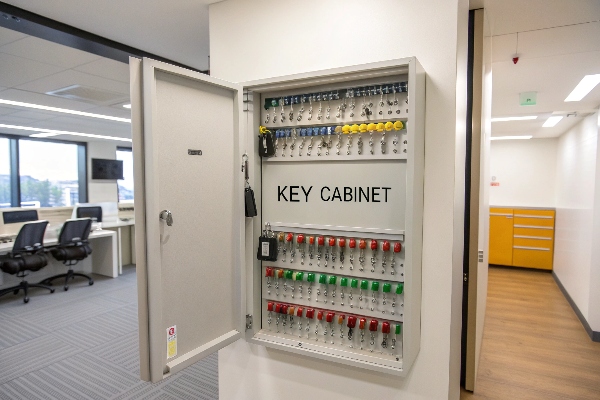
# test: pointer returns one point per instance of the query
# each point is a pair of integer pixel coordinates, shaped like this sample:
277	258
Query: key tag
267	245
249	202
266	147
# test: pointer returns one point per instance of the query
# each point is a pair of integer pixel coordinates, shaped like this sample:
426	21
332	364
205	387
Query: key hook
167	216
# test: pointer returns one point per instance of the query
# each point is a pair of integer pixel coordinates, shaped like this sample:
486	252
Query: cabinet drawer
532	258
534	217
539	232
541	243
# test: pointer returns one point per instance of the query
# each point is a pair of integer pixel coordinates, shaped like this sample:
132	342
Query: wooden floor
534	347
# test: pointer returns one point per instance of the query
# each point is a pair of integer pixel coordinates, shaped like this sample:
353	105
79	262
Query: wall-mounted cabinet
522	237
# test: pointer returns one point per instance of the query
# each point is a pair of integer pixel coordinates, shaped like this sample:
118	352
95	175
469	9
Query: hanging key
385	330
329	318
278	312
284	133
362	128
398	125
333	252
322	281
374	248
326	256
311	248
320	318
281	245
374	291
288	275
397	249
280	276
342	245
277	137
310	279
332	286
269	274
371	128
387	288
362	245
320	244
299	313
364	285
341	319
301	145
399	290
310	314
293	284
282	110
294	137
270	308
300	247
299	277
352	245
353	285
289	239
310	132
351	324
397	331
346	131
386	248
291	312
329	131
343	284
362	325
338	131
373	326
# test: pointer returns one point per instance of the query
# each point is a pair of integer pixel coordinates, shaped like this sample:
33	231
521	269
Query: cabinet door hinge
466	277
248	321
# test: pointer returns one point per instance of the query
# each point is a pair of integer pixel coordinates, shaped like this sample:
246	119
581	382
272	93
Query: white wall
101	190
265	38
576	200
526	171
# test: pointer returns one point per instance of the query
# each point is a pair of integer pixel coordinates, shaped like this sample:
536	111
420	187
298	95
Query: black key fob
250	202
267	245
266	148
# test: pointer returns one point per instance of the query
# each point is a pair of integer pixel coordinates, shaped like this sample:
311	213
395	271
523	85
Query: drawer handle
530	248
534	216
535	227
532	237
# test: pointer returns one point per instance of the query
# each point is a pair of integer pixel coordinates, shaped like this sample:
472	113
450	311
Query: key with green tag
387	288
353	285
310	278
343	284
299	277
374	289
332	285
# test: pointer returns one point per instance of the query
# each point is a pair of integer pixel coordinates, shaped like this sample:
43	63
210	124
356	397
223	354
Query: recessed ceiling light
126	105
510	137
42	132
552	121
584	87
525	118
63	110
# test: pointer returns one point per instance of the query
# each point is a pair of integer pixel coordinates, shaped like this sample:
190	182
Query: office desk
125	240
102	261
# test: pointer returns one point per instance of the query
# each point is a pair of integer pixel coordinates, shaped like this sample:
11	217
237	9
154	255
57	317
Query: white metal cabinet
201	274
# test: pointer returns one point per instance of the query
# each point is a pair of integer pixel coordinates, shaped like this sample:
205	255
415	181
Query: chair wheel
66	288
91	282
51	290
26	300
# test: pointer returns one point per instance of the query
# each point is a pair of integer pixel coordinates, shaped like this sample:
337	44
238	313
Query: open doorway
542	195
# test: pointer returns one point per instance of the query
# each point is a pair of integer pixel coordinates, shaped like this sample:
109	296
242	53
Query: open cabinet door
188	204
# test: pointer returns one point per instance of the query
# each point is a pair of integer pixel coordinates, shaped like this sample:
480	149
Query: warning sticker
172	341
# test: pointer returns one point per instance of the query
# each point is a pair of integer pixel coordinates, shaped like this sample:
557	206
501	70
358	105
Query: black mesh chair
72	247
27	255
93	212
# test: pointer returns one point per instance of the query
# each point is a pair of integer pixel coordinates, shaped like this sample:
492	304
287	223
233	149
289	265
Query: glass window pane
48	174
4	173
126	185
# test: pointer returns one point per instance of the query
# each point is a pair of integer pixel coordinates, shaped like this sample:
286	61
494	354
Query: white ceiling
558	44
31	67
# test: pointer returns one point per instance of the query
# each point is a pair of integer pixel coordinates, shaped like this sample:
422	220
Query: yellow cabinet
531	237
501	236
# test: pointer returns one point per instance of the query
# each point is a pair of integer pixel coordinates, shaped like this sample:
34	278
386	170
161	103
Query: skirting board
595	336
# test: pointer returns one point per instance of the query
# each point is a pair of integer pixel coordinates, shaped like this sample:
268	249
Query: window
4	173
125	186
48	173
41	172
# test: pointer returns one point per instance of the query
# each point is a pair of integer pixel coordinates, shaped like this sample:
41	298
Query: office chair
94	212
27	255
72	247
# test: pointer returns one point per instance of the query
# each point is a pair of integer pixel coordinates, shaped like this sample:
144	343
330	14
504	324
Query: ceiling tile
107	68
18	70
8	36
44	99
88	125
48	52
16	120
71	77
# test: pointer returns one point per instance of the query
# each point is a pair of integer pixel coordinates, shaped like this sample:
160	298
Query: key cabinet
335	159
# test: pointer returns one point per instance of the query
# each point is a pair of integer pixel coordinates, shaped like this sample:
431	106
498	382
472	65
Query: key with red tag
362	245
373	326
333	253
361	325
289	238
397	249
385	330
270	308
326	256
386	248
278	312
374	248
310	314
311	248
329	319
342	244
351	325
352	245
269	274
320	318
320	244
299	313
300	247
284	311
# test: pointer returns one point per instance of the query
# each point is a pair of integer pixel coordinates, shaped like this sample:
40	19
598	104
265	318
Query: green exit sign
528	98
